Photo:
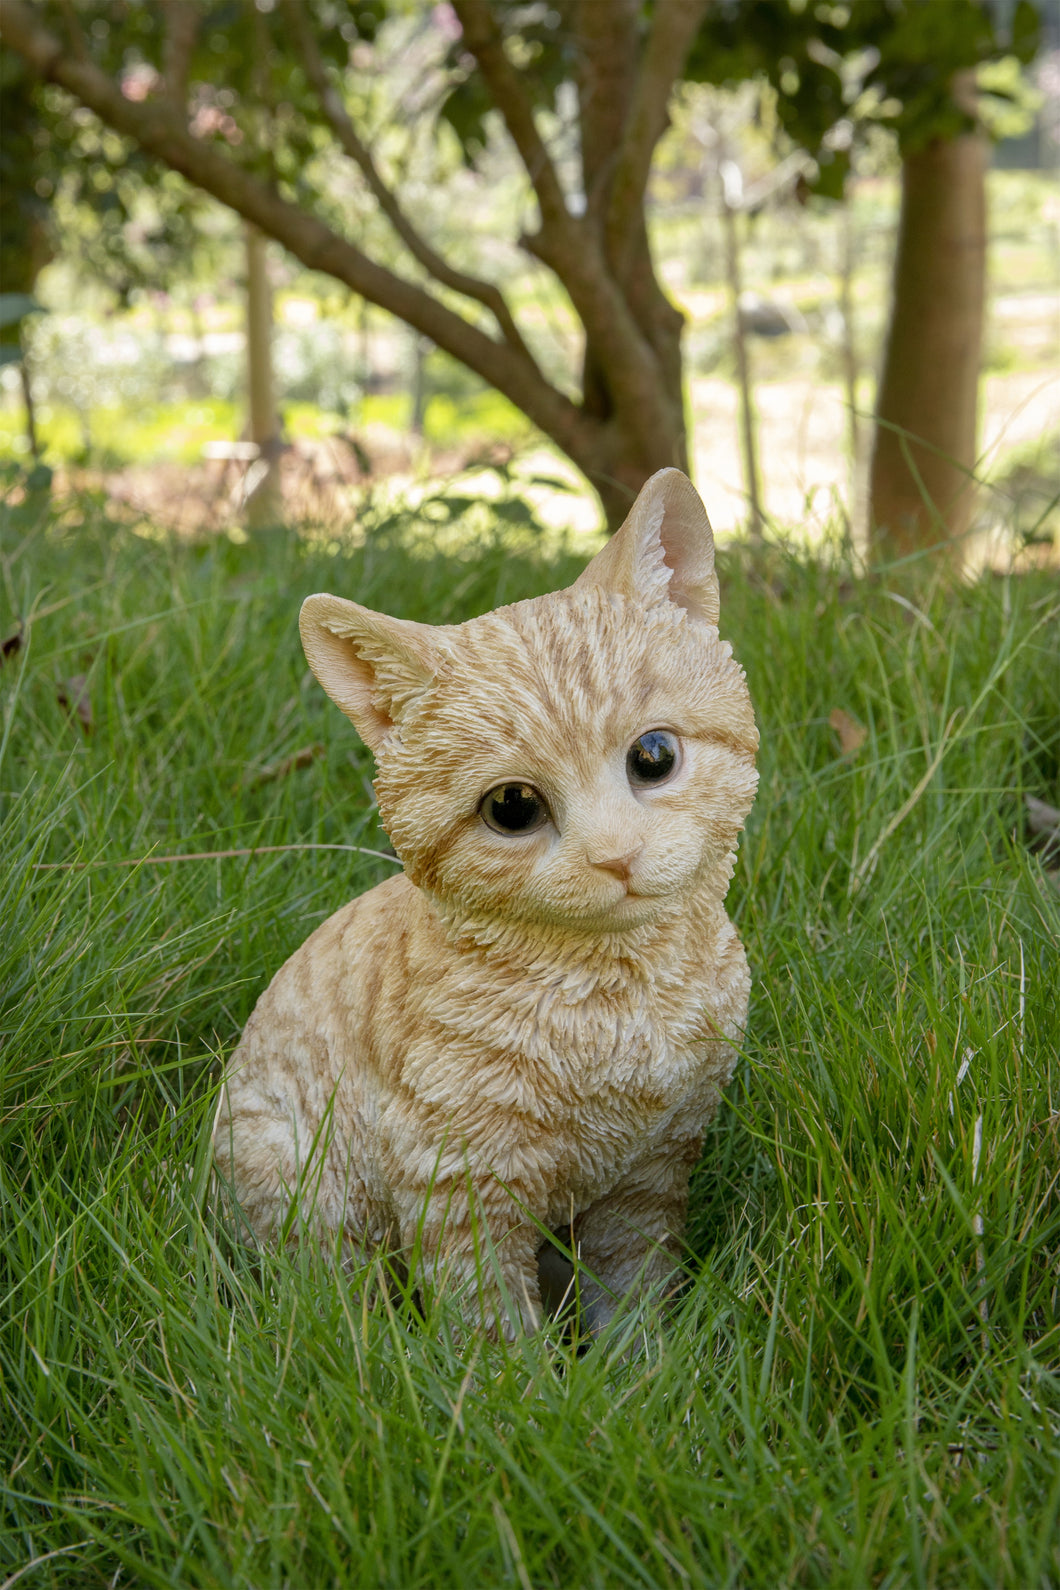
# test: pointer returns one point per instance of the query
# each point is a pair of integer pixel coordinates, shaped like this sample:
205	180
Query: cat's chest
516	1039
606	1039
546	1047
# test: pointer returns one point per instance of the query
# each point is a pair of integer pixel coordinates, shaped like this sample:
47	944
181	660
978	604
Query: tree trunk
921	491
614	78
263	501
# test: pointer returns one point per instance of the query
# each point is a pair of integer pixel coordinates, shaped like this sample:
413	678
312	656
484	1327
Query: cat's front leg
629	1241
281	1160
469	1238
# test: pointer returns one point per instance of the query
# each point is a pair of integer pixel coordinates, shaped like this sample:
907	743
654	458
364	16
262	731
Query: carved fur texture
526	1029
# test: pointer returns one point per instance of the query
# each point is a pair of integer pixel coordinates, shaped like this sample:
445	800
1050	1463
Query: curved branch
606	60
75	32
483	38
570	245
153	125
483	292
182	30
674	26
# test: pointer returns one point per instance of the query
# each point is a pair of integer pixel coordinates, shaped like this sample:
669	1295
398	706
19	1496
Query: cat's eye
513	809
653	757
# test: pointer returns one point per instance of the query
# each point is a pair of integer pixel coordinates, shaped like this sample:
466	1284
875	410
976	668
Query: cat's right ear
664	551
370	665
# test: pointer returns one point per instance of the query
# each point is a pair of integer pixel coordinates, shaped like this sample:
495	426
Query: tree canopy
278	109
258	105
841	70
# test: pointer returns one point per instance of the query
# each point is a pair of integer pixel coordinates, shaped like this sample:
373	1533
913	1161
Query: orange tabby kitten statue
530	1026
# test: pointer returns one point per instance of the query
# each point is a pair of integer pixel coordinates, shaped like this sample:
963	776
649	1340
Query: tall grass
862	1383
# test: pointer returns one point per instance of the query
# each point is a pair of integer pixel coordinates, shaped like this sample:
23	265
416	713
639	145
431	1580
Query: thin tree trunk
743	368
364	358
921	493
849	350
418	384
31	412
263	502
199	382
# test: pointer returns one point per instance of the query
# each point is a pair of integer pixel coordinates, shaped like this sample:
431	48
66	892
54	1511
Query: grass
862	1384
177	432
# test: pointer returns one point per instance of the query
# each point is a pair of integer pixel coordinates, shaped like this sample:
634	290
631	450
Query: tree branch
571	247
182	31
483	292
483	38
674	26
606	33
623	108
153	125
75	32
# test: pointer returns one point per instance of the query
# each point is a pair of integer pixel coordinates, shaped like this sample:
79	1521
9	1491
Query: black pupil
514	807
652	757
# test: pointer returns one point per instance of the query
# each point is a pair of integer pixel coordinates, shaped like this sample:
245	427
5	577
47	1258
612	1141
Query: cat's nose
620	866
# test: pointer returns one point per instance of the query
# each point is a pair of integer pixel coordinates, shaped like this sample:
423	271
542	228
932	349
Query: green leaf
466	109
515	512
1026	31
442	506
830	182
553	482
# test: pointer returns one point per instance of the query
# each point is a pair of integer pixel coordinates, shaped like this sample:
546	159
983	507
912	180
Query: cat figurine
528	1029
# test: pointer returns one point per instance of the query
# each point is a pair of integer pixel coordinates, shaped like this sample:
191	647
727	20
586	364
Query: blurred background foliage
141	359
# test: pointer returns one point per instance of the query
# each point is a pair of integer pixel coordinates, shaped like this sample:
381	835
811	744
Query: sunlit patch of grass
486	415
481	415
178	432
166	433
861	1384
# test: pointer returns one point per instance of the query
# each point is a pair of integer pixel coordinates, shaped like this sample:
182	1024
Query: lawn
861	1385
177	432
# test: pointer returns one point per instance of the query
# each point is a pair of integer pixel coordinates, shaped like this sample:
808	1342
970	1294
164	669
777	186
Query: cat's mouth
633	896
641	891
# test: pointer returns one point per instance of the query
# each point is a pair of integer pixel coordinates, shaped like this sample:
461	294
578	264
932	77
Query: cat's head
583	759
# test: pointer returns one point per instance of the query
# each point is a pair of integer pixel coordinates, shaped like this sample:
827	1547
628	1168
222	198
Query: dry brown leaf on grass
852	734
73	695
286	764
11	644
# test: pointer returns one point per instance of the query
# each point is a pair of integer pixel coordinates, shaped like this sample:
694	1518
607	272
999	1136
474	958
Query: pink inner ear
348	680
688	548
691	563
664	552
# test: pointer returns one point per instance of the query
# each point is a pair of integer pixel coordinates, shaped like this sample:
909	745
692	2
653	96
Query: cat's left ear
371	665
664	552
